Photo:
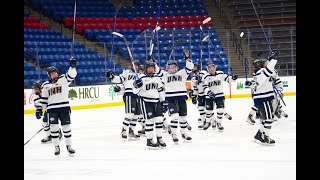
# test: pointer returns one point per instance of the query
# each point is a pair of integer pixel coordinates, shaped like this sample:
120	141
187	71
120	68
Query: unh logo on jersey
214	83
55	90
174	78
151	86
131	77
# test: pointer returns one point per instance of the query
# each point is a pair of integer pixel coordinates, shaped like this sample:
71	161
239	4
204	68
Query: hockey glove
73	62
39	113
248	83
198	78
272	55
194	100
117	89
186	54
165	106
137	83
211	94
109	74
151	59
234	77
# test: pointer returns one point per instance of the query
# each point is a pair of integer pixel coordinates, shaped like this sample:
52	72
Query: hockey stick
32	137
157	28
279	95
272	54
201	45
129	51
265	35
201	28
178	41
245	62
74	27
114	29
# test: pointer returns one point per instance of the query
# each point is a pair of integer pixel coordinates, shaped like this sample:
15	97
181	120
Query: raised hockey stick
74	27
129	51
279	95
201	28
201	46
272	54
157	28
114	29
265	35
32	137
178	41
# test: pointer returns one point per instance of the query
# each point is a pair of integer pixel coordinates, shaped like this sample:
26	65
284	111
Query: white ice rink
101	154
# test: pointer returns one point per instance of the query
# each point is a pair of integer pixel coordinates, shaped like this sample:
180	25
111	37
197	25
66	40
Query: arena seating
47	47
279	21
178	19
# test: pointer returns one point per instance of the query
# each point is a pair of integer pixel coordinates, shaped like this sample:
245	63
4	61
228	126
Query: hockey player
153	104
176	95
278	111
213	89
262	90
55	101
197	93
276	103
131	100
46	126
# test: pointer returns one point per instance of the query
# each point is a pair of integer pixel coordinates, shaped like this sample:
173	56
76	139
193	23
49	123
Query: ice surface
101	154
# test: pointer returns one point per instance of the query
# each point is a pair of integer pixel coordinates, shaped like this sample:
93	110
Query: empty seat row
46	44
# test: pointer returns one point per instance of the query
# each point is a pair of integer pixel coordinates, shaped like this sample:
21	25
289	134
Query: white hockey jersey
152	89
55	95
126	78
262	89
276	81
197	86
37	101
175	84
214	83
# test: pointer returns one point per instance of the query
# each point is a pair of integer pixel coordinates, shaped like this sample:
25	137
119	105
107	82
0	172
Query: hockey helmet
147	65
211	68
172	66
258	63
196	67
137	63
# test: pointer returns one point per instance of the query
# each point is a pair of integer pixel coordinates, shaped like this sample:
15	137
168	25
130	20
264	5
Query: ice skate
46	140
220	127
70	150
228	116
152	145
124	134
186	138
206	125
132	136
250	120
161	143
175	138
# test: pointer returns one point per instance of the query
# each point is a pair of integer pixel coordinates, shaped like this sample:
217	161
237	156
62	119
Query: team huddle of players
150	93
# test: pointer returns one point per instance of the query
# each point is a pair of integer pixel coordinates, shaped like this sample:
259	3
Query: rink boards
84	97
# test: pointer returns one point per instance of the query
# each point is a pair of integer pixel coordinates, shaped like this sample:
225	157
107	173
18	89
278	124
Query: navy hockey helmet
172	69
196	67
258	63
149	64
52	69
209	69
36	84
136	63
